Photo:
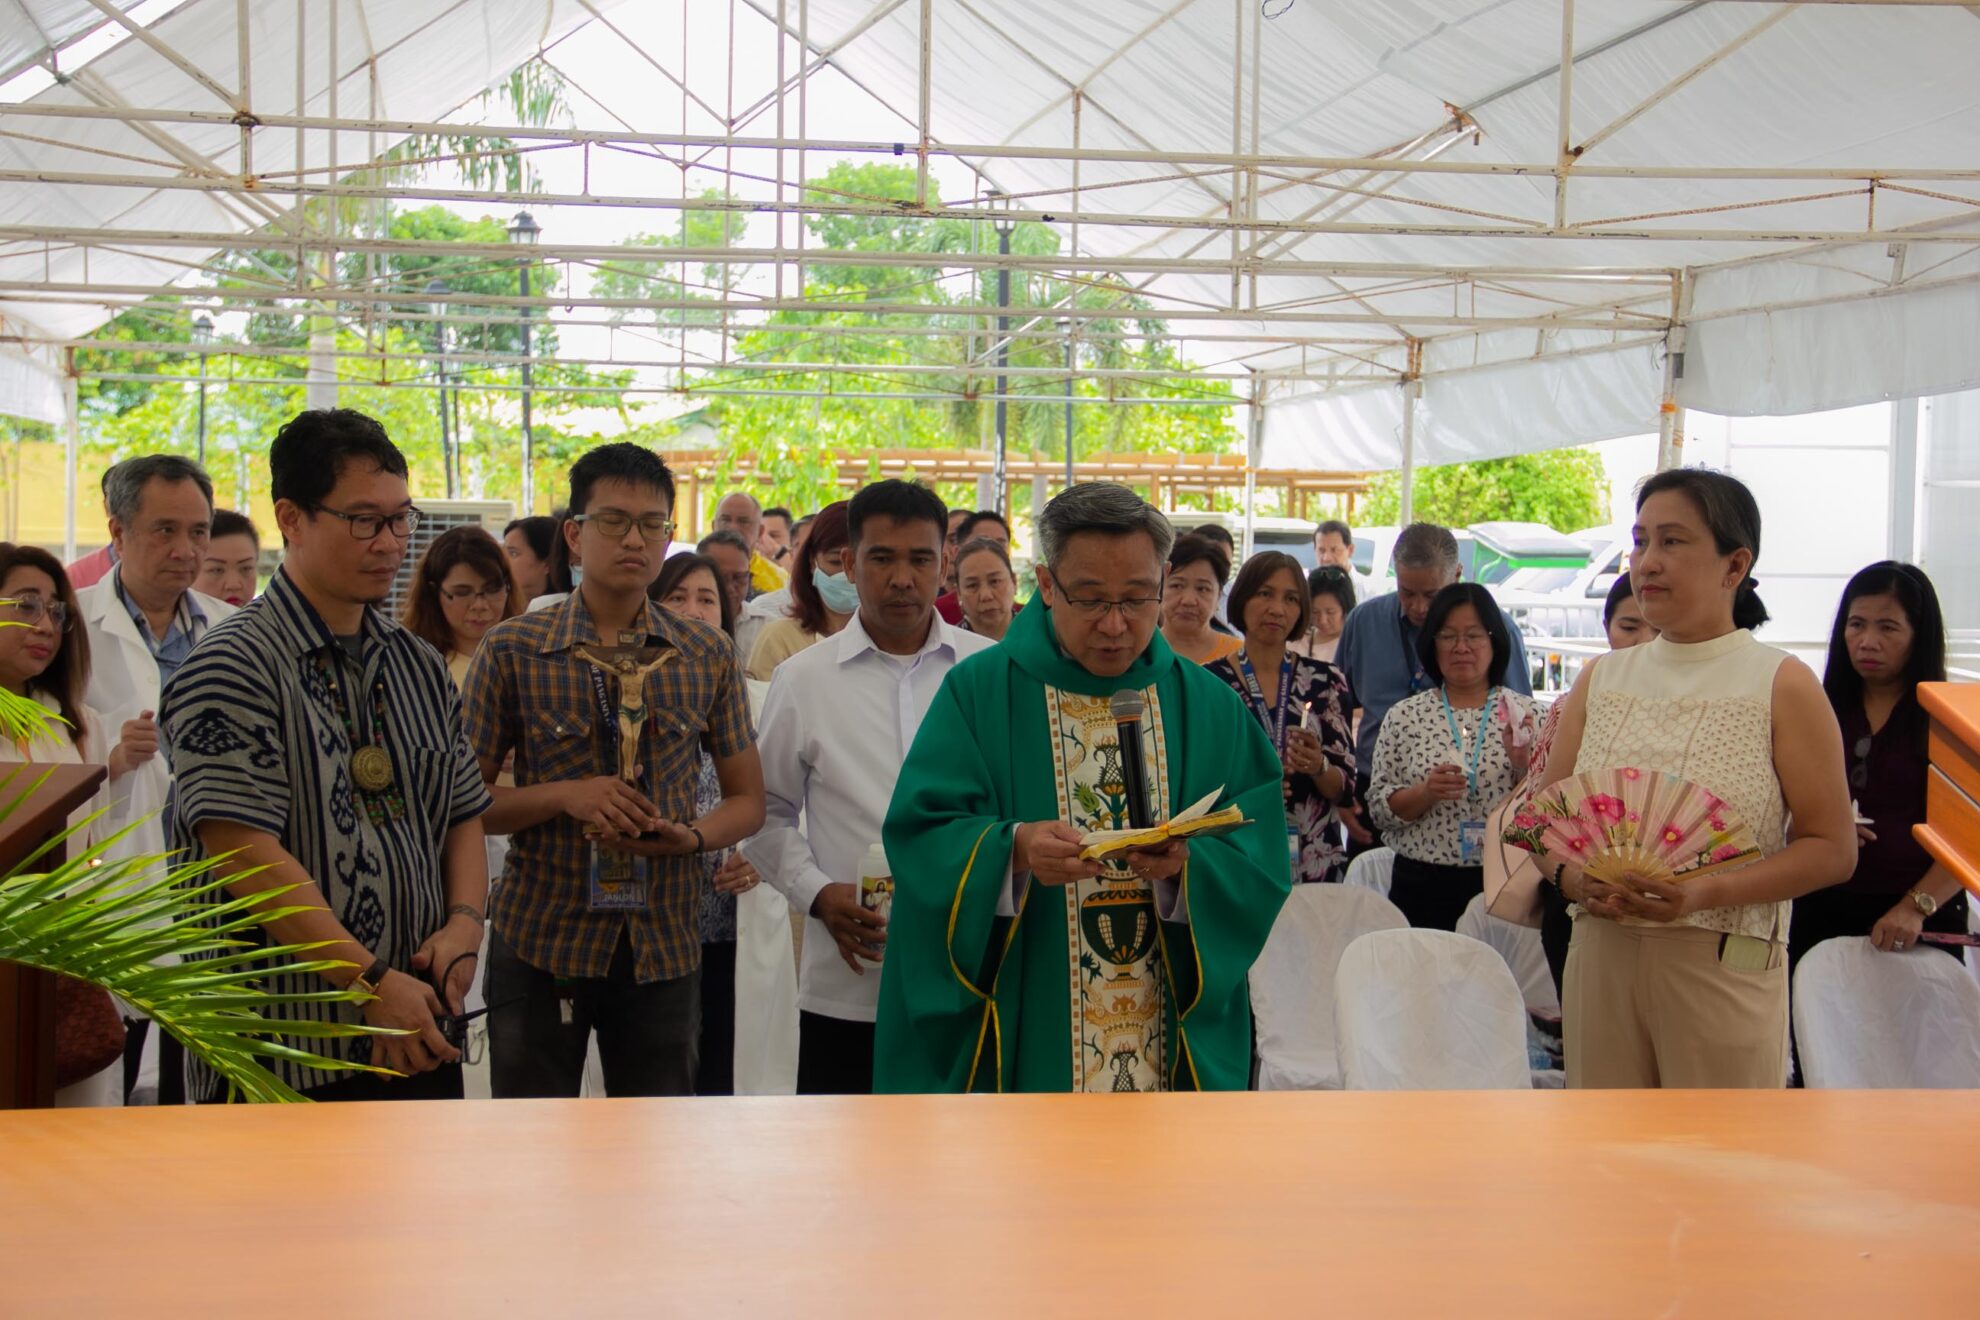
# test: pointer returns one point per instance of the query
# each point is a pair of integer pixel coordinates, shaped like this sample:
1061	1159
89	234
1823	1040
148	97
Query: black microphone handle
1134	774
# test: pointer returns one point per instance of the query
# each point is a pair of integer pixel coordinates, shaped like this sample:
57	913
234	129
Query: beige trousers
1653	1006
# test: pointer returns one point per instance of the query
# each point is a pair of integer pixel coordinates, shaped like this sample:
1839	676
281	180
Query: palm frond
21	720
110	922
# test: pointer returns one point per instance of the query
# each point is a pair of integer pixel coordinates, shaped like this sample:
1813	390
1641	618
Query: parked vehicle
1294	536
1566	602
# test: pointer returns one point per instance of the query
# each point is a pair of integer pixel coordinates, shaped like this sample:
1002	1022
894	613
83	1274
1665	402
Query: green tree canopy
1565	489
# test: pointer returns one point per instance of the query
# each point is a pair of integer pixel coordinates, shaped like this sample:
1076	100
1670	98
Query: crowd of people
553	760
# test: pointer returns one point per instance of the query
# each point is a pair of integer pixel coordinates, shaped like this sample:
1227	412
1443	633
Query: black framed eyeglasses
368	526
495	593
1135	609
615	525
30	610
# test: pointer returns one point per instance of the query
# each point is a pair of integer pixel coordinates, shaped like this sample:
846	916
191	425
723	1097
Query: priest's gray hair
1101	506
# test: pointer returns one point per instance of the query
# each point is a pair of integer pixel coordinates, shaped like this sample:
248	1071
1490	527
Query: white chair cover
766	981
1864	1018
1292	983
1428	1010
1372	870
1520	947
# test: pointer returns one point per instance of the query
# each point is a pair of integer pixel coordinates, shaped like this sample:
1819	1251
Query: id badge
1471	843
617	881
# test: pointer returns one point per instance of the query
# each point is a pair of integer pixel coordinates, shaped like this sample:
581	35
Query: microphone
1128	707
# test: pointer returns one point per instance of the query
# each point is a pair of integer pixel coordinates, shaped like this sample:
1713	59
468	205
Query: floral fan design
1645	821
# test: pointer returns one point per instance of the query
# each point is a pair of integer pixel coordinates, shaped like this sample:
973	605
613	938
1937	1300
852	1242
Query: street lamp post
449	462
1004	226
202	334
525	231
1072	361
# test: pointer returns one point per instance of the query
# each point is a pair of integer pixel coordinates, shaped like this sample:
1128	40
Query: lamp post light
1004	226
202	335
449	462
525	231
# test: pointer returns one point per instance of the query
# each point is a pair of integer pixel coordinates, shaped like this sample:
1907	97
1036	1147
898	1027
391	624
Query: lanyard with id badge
1275	725
1471	831
617	881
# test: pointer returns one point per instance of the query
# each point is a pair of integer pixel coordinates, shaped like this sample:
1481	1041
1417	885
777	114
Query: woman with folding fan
1677	973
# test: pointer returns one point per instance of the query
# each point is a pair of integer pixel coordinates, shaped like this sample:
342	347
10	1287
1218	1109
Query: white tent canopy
1369	208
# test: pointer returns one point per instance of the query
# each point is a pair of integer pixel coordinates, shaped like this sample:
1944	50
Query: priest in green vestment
1012	964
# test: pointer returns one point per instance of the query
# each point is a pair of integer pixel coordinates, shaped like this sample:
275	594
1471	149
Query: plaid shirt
527	692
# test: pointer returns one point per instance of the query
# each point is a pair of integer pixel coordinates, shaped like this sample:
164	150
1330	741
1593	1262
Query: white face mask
836	590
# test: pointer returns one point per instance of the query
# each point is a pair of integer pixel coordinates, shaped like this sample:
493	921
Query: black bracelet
1560	871
700	844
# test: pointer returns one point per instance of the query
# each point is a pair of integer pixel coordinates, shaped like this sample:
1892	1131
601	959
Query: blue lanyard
1275	724
1418	679
1478	744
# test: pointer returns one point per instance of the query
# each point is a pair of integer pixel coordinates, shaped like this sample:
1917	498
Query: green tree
1565	489
793	424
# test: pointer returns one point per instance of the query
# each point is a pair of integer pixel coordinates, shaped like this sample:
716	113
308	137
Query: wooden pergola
1160	476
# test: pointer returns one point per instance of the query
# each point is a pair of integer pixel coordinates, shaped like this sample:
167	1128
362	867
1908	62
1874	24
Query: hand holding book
1198	822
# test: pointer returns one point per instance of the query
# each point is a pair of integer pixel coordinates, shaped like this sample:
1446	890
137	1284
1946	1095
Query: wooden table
1504	1204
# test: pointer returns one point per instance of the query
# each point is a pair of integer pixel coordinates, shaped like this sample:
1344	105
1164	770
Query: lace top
1703	711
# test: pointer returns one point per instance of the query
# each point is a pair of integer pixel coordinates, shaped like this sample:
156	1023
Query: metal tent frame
1440	247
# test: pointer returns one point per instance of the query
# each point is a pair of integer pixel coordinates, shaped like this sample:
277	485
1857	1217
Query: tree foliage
1565	489
793	424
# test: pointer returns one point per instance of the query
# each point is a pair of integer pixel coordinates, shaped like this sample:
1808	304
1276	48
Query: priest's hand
859	932
1049	851
1164	863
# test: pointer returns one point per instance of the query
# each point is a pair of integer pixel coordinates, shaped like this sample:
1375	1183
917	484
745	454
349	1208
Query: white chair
1292	983
1374	869
1520	947
1864	1018
1428	1010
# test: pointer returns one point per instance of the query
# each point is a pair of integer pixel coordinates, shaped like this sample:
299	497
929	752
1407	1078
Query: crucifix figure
623	662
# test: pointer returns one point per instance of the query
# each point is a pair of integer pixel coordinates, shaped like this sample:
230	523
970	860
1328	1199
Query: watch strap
372	977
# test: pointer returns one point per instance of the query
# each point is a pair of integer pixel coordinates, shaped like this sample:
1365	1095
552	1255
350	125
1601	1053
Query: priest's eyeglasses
1133	610
614	525
368	526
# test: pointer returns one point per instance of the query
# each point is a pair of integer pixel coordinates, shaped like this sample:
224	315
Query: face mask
836	590
577	575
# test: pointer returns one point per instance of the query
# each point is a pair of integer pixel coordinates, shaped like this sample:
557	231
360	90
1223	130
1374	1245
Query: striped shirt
528	692
256	739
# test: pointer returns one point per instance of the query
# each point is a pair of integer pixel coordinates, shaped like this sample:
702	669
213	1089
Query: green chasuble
1085	989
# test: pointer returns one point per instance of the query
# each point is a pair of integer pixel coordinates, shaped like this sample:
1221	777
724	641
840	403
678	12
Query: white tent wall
1948	528
1832	329
1518	407
31	386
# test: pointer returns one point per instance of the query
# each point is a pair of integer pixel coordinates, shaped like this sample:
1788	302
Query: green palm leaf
109	922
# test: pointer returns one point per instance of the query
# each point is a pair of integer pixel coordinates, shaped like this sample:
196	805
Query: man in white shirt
836	726
1333	545
143	620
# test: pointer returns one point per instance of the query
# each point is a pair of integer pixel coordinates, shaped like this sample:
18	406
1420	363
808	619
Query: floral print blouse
1320	696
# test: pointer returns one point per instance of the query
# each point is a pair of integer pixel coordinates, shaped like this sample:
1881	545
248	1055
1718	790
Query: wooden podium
1951	832
27	996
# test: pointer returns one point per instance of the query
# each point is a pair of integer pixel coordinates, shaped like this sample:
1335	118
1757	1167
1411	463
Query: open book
1198	821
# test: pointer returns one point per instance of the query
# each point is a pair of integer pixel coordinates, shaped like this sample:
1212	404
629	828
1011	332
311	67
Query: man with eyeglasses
742	513
595	922
319	749
143	619
1015	963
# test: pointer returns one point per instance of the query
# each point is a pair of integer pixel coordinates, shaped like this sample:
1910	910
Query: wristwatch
1924	902
370	978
